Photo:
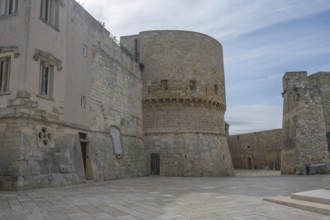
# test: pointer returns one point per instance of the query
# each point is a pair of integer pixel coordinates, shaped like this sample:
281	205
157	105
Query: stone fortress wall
304	139
305	121
105	110
183	102
257	150
77	106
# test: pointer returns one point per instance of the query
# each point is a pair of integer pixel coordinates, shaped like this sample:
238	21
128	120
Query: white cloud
251	118
221	19
262	39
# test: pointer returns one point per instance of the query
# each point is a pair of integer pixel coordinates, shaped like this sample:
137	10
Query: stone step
318	196
326	182
300	204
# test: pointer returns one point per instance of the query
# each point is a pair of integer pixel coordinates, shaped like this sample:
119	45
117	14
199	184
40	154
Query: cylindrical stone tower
183	103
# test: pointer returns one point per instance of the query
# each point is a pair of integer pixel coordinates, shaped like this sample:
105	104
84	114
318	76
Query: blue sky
261	39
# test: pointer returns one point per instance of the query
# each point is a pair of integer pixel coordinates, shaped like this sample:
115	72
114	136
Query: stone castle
304	139
75	105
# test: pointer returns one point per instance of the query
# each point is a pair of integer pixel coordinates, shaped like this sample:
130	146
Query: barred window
4	74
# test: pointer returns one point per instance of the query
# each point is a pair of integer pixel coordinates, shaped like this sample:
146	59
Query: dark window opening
192	85
136	50
83	102
4	74
164	84
49	12
249	163
46	79
216	89
8	7
154	164
328	138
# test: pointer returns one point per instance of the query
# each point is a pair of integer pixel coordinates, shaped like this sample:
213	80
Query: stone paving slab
167	198
317	195
301	204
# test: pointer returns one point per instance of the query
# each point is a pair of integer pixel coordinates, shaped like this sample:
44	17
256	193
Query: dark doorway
249	163
154	164
85	153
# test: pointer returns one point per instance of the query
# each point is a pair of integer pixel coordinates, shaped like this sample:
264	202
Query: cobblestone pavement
162	198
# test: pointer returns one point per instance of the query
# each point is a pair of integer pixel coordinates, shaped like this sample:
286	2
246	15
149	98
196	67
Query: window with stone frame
49	12
8	7
4	74
48	63
46	79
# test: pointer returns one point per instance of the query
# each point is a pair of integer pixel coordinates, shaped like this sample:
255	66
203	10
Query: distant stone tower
305	121
183	103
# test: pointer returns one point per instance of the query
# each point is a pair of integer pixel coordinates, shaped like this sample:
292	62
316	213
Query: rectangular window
192	85
84	50
328	138
49	12
163	84
46	79
8	7
83	102
216	89
4	74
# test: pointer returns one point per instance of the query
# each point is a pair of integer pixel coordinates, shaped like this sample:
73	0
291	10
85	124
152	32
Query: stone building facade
76	106
257	150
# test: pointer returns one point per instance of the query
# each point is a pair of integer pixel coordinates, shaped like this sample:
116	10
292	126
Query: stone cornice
184	102
184	132
10	49
48	57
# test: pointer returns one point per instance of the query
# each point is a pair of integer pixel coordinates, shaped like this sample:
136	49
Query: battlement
184	91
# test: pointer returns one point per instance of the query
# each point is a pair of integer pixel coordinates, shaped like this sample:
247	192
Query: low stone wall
258	150
327	183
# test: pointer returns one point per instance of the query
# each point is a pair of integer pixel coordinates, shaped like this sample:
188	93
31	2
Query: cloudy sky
261	39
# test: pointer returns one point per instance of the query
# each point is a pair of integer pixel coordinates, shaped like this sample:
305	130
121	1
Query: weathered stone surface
190	154
183	102
304	124
326	183
257	150
59	140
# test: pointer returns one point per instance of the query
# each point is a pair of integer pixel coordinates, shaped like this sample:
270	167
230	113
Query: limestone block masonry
257	150
62	136
183	103
75	105
306	108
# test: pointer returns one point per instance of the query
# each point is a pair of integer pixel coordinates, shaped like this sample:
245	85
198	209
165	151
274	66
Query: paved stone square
154	198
